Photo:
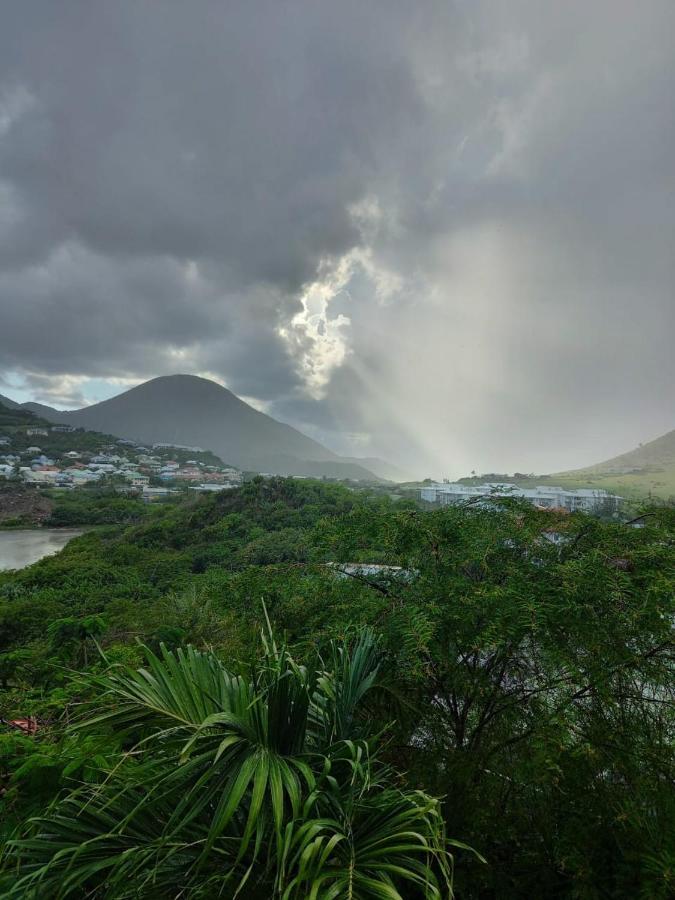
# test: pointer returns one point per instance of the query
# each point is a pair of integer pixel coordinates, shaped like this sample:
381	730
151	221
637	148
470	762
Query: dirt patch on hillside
21	505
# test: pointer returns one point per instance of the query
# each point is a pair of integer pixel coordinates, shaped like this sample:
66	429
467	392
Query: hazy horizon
438	233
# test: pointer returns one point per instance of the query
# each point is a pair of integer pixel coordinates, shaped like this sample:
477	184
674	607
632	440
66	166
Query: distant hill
185	409
9	404
14	415
647	470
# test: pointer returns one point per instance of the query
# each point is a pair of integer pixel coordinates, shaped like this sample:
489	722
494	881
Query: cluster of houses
542	496
148	471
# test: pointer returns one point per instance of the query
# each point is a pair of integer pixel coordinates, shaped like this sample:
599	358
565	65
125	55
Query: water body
24	547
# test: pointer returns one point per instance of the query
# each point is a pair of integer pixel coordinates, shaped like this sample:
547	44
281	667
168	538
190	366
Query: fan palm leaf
233	785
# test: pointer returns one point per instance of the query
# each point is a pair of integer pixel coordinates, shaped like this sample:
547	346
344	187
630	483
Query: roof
29	725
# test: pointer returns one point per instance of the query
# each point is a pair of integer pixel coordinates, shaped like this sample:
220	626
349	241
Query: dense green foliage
96	504
527	659
220	784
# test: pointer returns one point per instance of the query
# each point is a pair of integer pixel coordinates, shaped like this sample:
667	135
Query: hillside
185	409
649	469
9	404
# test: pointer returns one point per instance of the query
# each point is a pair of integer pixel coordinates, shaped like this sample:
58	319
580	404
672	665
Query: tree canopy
524	677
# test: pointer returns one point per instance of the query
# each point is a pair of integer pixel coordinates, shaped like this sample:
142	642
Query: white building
542	496
149	494
177	447
31	477
84	476
138	481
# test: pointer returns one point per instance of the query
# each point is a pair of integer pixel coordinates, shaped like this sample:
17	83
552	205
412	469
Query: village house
83	476
41	461
31	477
138	481
189	473
31	431
106	458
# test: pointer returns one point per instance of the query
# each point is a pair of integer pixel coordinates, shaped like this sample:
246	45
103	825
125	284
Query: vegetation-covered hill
9	404
13	416
14	422
649	470
185	409
527	683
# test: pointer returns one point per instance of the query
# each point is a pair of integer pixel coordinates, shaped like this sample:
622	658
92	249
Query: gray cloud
441	232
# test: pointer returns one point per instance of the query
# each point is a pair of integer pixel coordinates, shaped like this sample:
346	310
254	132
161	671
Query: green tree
75	635
534	654
11	664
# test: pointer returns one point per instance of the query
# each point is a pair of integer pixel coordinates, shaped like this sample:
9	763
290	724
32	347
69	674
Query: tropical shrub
260	785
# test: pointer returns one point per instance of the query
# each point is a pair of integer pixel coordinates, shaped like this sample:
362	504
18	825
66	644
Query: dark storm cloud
416	225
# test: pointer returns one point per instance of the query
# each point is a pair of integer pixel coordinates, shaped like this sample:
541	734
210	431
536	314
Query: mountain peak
194	411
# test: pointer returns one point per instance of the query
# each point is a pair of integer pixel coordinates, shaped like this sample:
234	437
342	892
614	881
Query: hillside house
105	458
62	429
83	476
32	431
189	473
40	478
177	447
138	481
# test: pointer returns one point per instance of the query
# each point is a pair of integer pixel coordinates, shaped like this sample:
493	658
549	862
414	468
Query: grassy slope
652	471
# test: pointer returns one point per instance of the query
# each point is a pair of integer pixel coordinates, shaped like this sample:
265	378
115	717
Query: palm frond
236	785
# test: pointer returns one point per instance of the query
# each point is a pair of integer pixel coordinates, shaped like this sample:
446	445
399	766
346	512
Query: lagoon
24	547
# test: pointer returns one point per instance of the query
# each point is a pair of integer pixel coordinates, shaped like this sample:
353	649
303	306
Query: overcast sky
440	232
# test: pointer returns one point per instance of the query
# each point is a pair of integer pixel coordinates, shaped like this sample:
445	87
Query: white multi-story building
543	496
137	481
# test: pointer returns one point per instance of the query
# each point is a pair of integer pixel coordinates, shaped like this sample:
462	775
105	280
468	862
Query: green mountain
9	404
187	410
647	470
12	416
